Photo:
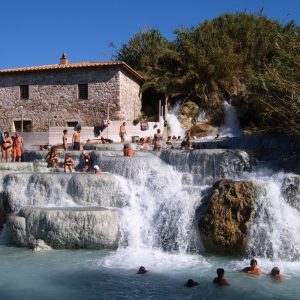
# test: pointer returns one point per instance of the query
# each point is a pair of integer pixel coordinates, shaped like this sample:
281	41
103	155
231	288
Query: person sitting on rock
143	145
275	273
87	162
191	283
141	270
68	163
96	169
220	280
51	158
148	140
169	142
253	269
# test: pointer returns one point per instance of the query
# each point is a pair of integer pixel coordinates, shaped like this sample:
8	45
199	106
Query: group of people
12	147
68	164
75	139
157	140
220	279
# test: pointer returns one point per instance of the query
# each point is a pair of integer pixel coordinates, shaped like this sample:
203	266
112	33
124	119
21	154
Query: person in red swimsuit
18	147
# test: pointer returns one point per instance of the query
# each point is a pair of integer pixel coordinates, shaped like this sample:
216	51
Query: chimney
64	59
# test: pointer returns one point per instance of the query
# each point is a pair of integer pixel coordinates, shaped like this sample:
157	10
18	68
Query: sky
37	32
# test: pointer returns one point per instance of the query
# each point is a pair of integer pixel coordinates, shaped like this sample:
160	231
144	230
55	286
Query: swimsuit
68	163
157	141
76	146
6	147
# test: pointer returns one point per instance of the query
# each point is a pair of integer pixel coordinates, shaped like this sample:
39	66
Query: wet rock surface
226	216
61	189
291	190
64	228
207	165
200	130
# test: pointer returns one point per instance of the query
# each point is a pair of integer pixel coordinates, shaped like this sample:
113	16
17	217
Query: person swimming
191	283
220	280
141	270
275	273
253	269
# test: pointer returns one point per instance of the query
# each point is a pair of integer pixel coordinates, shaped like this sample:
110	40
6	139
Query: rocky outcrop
64	228
200	130
290	190
228	210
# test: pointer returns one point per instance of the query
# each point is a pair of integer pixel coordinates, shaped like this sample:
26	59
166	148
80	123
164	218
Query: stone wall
53	96
130	97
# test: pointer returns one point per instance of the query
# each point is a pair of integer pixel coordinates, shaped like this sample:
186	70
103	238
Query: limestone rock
200	130
64	228
16	231
40	245
190	109
2	217
228	213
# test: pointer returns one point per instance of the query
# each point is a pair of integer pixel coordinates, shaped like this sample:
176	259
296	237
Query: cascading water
231	125
158	230
160	208
174	126
275	230
202	117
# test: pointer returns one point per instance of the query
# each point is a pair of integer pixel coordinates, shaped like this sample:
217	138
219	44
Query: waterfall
160	208
174	126
202	117
231	125
158	196
274	232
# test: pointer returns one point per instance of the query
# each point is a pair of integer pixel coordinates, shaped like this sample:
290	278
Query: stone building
66	93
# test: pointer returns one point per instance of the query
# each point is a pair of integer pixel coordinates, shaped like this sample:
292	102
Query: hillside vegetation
250	59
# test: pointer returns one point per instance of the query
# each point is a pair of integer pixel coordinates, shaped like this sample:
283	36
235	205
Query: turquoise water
112	275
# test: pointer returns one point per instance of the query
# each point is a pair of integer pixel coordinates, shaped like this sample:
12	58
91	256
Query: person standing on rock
76	139
6	147
65	139
123	132
18	147
157	141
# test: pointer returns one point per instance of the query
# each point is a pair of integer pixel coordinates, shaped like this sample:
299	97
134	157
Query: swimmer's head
141	270
220	272
191	283
253	263
275	271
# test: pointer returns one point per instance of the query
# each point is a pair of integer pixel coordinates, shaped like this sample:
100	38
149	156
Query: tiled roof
75	66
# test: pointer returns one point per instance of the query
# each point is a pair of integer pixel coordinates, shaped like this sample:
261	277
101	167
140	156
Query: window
24	92
83	92
72	123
